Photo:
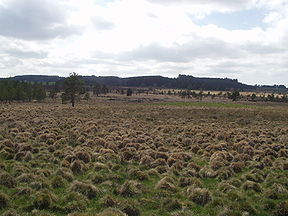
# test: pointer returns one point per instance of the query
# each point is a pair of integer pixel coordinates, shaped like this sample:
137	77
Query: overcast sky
243	39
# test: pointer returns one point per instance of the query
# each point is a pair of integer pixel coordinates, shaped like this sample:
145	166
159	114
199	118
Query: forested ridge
181	82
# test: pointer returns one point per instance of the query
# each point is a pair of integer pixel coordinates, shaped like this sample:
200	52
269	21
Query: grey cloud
263	49
151	15
10	62
34	20
101	24
26	54
213	49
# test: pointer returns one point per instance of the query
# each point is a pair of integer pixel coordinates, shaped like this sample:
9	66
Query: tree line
13	90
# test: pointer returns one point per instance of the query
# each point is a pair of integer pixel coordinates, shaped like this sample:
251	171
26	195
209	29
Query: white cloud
143	37
34	20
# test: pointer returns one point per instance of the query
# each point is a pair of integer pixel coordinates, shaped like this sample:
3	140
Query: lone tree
72	87
235	95
129	92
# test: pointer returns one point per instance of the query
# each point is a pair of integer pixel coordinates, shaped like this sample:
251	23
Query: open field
118	158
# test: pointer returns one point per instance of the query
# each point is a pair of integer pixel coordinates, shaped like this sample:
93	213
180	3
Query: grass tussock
130	159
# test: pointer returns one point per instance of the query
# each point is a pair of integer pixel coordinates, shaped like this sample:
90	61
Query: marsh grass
160	159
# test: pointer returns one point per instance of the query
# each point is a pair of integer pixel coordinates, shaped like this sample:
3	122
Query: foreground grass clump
86	189
4	200
132	159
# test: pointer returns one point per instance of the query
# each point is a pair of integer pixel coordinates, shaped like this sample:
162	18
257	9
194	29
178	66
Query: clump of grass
255	177
146	160
65	173
4	200
206	172
57	182
28	156
77	167
138	174
100	166
171	204
39	184
158	162
25	178
24	191
269	205
282	209
166	183
10	213
108	201
98	178
75	202
43	200
285	166
224	187
275	191
227	212
7	180
193	165
130	208
199	196
129	188
235	182
112	212
84	156
249	185
189	181
237	166
224	173
88	190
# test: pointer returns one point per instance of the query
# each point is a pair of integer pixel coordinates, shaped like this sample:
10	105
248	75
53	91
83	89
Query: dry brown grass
106	153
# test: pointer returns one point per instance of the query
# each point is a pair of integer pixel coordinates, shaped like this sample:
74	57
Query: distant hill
181	82
37	78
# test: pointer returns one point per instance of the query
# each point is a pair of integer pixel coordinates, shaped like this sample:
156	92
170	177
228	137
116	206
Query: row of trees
12	90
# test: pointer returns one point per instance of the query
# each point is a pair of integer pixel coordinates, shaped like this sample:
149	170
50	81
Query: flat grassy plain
168	158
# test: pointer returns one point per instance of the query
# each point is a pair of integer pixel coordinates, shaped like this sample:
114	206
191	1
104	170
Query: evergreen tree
72	87
129	92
